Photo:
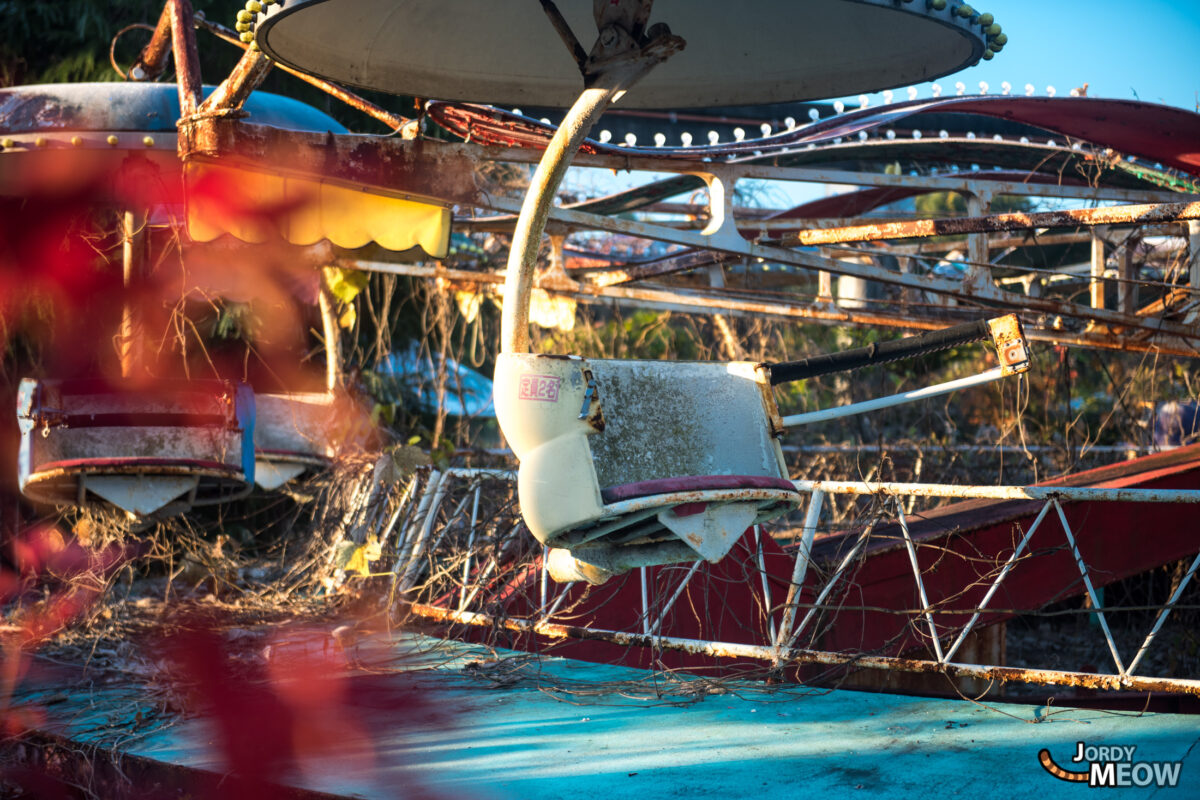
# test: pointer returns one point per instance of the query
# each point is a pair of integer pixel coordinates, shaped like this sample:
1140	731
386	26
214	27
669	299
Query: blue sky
1119	47
1123	49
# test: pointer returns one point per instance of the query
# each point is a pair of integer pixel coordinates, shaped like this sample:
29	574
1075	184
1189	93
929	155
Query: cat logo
1113	765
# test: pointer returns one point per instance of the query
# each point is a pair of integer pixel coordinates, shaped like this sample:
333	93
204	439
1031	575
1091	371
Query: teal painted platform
499	729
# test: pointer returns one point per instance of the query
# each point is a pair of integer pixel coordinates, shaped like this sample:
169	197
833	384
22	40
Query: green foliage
61	41
68	40
235	321
953	204
644	334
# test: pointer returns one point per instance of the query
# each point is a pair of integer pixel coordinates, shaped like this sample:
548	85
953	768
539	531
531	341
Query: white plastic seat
160	449
634	463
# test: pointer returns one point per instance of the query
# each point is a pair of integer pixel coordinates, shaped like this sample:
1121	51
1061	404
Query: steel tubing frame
805	656
783	648
709	302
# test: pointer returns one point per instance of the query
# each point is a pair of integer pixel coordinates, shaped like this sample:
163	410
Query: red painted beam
960	544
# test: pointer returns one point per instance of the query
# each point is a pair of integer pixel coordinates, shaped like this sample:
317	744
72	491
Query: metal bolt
77	141
113	140
148	141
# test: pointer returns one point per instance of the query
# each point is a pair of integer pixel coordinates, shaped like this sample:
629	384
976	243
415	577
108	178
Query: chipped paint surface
672	419
803	656
519	739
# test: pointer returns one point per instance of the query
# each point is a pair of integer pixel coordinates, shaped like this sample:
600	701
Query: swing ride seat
633	463
291	435
159	449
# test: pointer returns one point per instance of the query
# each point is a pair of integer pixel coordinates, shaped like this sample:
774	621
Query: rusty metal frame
444	173
441	172
793	655
357	102
718	301
783	648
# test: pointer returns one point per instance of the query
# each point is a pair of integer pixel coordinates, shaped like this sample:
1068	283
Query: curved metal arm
527	237
605	86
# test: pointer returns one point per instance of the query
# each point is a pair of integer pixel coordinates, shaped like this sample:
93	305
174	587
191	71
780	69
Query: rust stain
1141	214
1083	680
394	121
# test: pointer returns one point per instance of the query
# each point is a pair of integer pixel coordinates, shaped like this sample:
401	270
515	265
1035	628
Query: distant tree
953	204
61	41
68	40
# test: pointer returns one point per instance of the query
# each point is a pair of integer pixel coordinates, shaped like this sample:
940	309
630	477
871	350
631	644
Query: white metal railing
416	541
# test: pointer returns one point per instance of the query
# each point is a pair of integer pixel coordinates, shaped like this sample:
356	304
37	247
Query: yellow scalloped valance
257	206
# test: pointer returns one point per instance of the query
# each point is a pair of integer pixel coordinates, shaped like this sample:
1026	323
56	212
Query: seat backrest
667	419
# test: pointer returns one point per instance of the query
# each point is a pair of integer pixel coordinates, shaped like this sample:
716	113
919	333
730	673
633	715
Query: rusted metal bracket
176	26
1011	347
357	102
231	94
1142	214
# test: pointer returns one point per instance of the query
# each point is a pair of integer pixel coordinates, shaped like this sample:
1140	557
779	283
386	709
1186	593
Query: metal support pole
805	656
977	243
893	400
1194	253
243	79
645	603
833	581
825	283
527	236
187	57
544	582
766	586
604	88
1069	493
333	338
462	595
1087	582
658	623
1162	616
1137	214
393	121
987	598
558	600
133	257
926	611
1127	290
1099	255
800	569
408	547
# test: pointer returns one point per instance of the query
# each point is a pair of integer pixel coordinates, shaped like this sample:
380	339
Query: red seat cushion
692	483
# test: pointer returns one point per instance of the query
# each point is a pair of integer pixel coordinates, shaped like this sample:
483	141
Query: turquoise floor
557	728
